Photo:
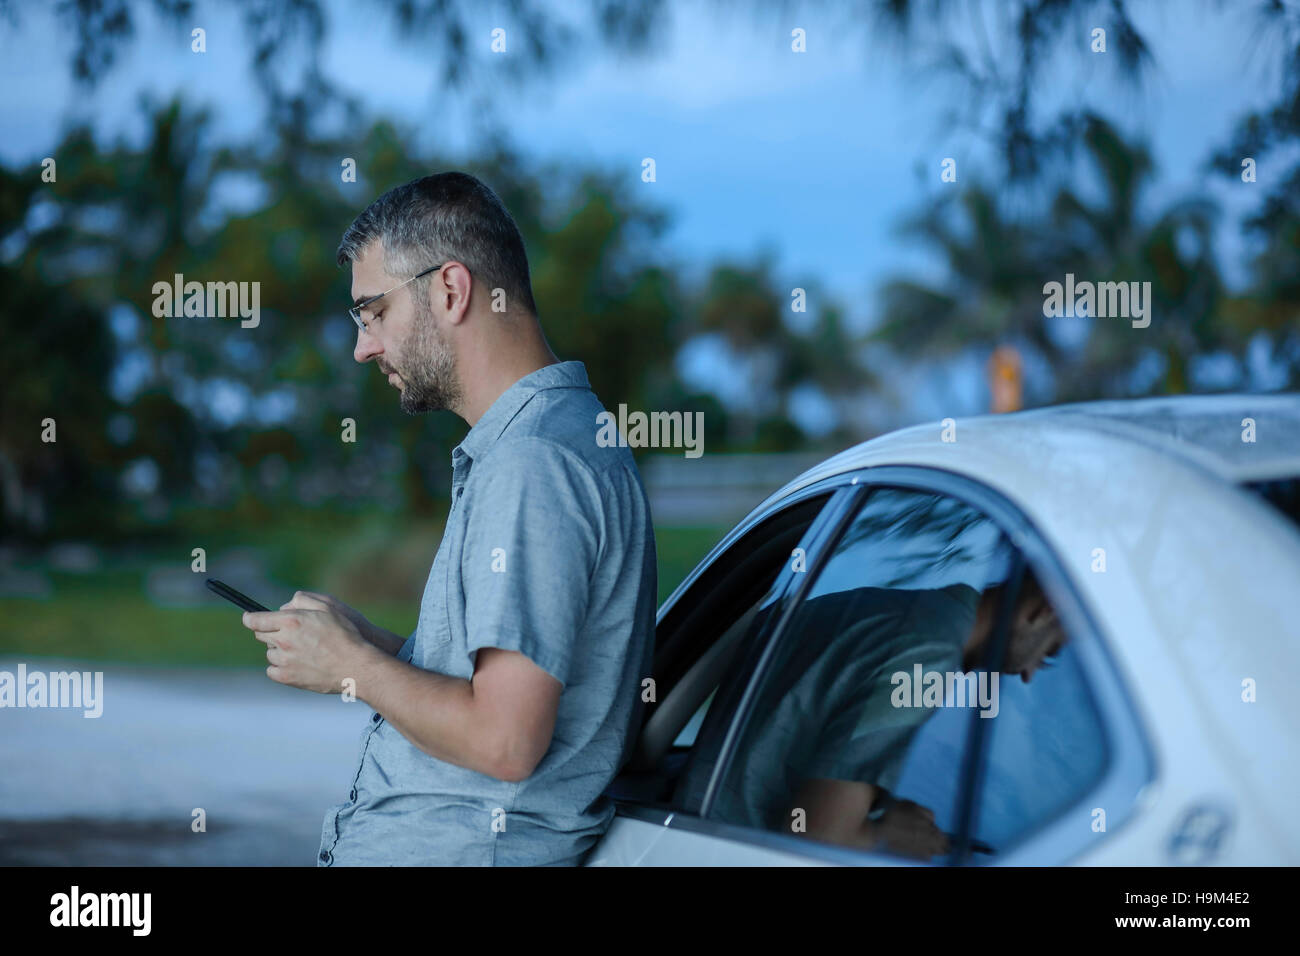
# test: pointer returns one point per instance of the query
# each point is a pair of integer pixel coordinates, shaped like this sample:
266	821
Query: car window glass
687	737
699	640
1046	748
847	742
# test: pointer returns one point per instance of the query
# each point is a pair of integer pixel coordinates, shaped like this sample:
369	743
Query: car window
687	737
700	638
845	742
1046	745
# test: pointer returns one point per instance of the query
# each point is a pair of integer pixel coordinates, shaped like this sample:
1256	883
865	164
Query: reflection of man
857	808
1036	631
833	680
825	738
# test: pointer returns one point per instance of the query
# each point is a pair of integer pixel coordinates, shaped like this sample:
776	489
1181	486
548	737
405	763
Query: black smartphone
233	596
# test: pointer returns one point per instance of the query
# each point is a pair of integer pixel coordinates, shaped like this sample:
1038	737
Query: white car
1147	715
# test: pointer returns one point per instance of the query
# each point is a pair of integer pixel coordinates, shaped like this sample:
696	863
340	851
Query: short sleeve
867	738
533	534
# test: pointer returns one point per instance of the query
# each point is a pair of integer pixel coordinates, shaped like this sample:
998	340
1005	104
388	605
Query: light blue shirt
548	551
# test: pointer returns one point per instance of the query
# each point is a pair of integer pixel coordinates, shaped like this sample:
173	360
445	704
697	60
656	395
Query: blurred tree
55	364
997	267
998	52
602	297
198	399
776	356
1261	155
207	394
538	40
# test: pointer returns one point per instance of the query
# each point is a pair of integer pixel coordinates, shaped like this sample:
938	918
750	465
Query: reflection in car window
687	737
901	599
1047	749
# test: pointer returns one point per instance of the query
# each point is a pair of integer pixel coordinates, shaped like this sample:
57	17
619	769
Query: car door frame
1130	767
827	525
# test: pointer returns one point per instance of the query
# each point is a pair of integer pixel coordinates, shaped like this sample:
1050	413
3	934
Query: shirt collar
501	412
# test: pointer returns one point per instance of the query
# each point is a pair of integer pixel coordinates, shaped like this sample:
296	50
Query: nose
367	347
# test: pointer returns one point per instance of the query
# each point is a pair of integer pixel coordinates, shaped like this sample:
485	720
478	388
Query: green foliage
224	413
997	265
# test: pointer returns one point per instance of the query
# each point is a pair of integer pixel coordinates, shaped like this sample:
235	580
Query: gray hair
447	216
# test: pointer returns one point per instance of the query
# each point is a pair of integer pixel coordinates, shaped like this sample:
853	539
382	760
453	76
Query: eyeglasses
355	311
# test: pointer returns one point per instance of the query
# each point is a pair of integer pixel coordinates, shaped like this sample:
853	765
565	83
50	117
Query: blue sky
812	155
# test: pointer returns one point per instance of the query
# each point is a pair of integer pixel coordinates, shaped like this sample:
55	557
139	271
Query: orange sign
1005	379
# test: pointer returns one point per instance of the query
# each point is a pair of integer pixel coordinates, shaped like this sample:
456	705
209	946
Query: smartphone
233	596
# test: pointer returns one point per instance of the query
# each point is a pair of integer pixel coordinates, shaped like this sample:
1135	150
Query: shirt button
375	719
324	856
352	795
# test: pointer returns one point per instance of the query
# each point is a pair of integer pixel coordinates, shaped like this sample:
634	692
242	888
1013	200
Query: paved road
264	761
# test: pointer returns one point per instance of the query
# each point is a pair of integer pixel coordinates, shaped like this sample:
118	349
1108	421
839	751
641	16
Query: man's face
1036	633
407	346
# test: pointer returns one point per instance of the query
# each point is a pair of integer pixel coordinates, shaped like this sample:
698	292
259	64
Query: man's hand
310	644
836	812
907	828
383	639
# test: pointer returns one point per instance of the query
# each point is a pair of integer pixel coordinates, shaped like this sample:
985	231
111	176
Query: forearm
864	834
838	811
436	713
385	640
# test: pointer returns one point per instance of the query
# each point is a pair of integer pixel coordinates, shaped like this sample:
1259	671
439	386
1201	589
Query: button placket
449	536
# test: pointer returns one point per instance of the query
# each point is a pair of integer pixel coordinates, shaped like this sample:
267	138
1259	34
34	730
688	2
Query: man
499	722
826	738
846	790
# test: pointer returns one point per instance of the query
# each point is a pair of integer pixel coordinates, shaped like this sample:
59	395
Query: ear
453	287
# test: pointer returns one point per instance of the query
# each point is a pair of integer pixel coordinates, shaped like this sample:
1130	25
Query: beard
429	382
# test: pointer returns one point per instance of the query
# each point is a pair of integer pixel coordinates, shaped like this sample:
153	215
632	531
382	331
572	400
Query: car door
711	625
806	743
889	596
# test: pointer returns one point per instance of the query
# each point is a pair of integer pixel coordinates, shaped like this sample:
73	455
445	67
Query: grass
374	562
679	551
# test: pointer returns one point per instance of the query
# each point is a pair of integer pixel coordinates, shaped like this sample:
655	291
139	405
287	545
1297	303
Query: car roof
1202	430
1209	428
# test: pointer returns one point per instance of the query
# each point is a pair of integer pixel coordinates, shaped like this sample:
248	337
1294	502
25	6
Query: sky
812	155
